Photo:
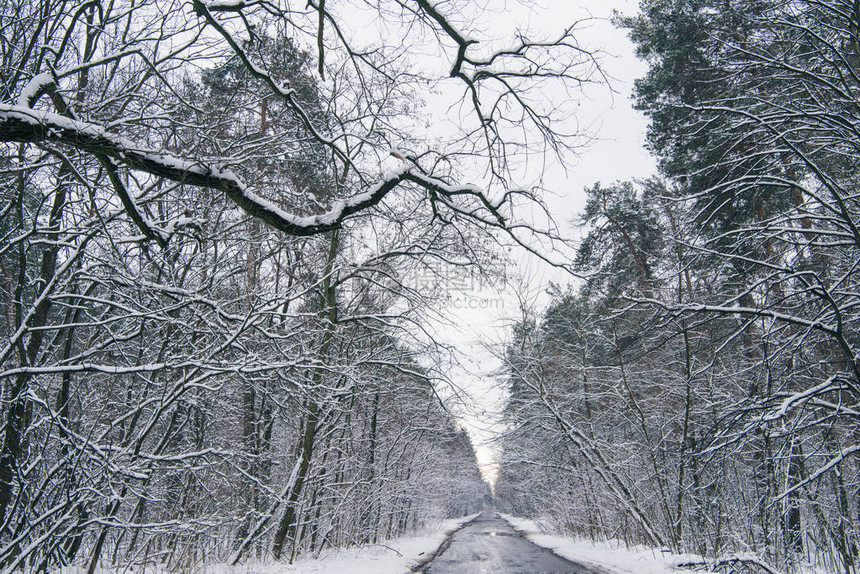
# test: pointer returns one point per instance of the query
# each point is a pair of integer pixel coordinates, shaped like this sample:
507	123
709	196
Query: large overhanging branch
26	125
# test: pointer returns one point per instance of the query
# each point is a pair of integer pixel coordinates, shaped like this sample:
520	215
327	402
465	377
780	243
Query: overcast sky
483	316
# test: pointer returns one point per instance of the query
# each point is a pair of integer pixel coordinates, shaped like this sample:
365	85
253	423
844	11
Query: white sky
616	154
481	317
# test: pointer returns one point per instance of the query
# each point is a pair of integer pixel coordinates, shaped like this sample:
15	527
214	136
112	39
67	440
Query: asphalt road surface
488	544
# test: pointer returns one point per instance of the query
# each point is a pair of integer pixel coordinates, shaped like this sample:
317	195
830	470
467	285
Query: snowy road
488	544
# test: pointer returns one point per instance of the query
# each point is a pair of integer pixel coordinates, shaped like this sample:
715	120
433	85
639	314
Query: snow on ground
396	556
614	558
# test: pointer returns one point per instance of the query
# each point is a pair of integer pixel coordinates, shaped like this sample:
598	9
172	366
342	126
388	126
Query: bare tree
210	215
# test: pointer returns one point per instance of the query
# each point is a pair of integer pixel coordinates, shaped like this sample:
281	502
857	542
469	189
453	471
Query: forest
226	227
698	390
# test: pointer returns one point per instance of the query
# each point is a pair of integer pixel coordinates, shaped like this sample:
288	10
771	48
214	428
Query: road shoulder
425	558
603	557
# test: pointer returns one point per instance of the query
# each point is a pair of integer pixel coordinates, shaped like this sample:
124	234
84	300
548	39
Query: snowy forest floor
395	556
611	556
402	555
615	557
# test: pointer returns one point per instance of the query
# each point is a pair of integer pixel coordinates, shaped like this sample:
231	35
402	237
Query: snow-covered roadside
396	556
616	558
612	558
